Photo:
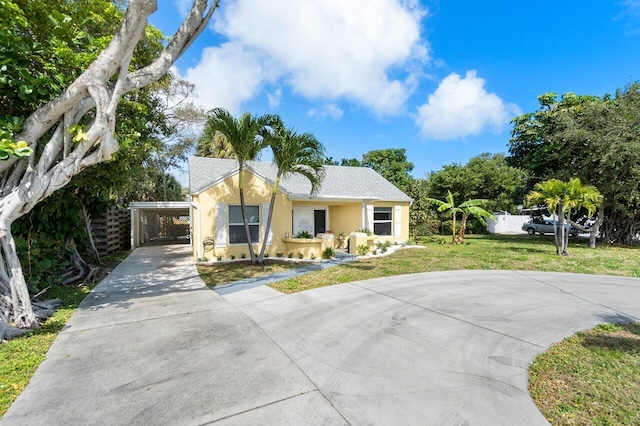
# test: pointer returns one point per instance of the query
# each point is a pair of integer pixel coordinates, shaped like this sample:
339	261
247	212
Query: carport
162	222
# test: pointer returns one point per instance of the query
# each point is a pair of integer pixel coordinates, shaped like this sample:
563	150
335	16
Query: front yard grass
221	273
491	252
591	378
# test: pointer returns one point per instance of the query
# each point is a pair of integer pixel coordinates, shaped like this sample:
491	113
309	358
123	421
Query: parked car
546	227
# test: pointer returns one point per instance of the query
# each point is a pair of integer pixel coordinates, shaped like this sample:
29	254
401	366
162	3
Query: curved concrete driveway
445	348
152	345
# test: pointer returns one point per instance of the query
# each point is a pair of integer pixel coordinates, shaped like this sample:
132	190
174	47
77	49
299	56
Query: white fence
507	224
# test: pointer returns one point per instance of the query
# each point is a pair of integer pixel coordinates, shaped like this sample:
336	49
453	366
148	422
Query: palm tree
293	154
551	193
561	198
213	144
581	196
247	138
468	208
448	207
472	208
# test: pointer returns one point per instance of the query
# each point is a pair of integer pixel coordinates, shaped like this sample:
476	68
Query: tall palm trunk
244	215
268	227
565	241
556	229
561	241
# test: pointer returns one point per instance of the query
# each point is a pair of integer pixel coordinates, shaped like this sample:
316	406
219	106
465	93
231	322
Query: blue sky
439	78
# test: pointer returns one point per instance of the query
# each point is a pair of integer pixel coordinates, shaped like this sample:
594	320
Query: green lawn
221	273
20	357
591	378
512	252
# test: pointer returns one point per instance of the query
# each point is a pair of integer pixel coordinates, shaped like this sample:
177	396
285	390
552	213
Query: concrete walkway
249	283
152	345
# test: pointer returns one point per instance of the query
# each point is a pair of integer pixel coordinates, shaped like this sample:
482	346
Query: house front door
319	221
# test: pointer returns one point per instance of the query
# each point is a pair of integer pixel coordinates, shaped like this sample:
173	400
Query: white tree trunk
595	229
15	302
28	181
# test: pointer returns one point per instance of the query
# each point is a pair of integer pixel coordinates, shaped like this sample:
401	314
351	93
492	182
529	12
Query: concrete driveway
152	345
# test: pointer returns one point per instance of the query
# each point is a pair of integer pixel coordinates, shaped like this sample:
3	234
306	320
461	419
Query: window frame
241	224
385	221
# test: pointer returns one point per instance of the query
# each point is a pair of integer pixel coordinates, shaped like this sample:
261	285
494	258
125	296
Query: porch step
342	255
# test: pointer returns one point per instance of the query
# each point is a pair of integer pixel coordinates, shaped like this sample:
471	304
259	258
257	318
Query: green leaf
44	264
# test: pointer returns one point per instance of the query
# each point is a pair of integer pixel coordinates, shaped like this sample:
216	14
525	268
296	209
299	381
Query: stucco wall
346	218
257	192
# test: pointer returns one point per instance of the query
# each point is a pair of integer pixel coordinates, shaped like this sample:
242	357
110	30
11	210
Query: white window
237	233
382	219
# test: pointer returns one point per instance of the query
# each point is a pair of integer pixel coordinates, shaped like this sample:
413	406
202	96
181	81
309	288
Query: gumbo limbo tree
74	130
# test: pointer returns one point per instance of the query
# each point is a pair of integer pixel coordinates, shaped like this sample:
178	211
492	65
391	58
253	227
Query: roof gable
340	182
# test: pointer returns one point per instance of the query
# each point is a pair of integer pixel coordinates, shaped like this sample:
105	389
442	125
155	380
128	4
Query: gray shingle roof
339	182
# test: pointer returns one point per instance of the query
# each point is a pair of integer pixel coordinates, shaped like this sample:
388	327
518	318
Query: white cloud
462	107
328	110
228	75
275	98
365	51
631	7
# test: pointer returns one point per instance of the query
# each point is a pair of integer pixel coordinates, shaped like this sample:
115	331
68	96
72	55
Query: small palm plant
468	208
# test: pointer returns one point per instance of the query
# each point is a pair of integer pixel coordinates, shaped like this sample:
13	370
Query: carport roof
161	206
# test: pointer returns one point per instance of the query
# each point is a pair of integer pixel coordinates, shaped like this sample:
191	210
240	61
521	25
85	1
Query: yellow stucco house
349	198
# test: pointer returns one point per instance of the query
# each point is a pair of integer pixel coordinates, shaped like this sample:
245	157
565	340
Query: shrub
219	258
300	255
243	256
362	250
303	234
290	255
383	246
279	254
328	253
233	256
266	255
313	256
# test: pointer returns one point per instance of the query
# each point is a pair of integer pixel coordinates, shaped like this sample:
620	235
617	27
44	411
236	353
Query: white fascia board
159	205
